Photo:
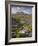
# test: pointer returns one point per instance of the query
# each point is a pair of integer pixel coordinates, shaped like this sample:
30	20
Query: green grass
20	25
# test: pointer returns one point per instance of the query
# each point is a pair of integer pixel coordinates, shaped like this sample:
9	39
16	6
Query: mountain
21	13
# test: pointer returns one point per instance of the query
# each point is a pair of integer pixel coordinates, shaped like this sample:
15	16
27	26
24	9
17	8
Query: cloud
27	10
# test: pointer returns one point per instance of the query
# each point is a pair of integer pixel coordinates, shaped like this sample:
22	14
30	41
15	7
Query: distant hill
21	13
23	17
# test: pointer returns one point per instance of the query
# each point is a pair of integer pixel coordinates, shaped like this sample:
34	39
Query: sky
27	10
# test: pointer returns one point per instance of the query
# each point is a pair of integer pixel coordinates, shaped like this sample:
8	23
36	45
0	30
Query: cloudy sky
27	10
